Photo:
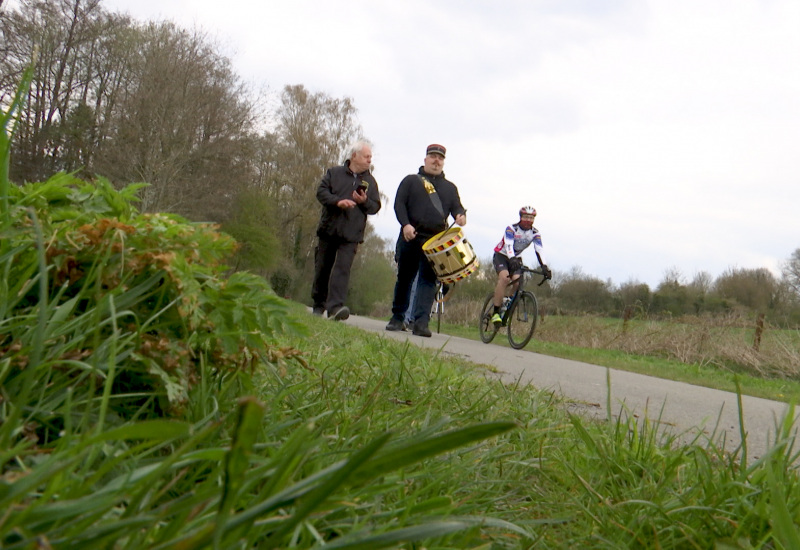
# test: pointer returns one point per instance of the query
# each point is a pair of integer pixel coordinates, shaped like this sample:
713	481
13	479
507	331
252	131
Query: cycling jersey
515	240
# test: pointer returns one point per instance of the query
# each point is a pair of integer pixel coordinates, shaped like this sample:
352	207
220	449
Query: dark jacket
348	224
412	205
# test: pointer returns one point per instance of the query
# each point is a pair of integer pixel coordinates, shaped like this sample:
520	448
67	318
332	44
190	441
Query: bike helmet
527	210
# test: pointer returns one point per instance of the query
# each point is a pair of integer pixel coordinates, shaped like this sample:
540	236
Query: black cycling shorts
500	262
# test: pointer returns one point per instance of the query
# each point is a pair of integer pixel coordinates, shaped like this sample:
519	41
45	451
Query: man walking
348	194
422	206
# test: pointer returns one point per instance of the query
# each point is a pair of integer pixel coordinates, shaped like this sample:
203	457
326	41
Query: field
709	351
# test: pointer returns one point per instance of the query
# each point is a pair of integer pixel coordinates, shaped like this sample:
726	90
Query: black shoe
394	325
341	314
318	311
422	330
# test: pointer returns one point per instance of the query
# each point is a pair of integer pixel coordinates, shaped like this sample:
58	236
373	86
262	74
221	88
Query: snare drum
450	255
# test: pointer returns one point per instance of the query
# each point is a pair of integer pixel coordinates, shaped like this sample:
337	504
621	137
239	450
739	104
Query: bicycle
520	313
437	309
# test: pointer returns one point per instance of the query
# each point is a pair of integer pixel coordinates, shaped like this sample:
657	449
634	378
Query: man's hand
514	264
461	219
344	204
360	195
547	273
409	232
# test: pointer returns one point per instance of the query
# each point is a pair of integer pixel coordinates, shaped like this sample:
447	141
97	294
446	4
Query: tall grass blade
393	538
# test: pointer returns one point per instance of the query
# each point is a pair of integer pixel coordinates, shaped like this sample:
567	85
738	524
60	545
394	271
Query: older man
348	194
422	205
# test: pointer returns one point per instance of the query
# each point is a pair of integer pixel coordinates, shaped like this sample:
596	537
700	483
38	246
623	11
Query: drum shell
451	255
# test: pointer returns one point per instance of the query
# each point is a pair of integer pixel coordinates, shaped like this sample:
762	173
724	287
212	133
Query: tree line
152	102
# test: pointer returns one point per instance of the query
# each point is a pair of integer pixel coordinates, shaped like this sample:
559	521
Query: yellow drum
450	255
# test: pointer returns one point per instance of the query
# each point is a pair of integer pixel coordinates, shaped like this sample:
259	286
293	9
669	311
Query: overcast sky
650	135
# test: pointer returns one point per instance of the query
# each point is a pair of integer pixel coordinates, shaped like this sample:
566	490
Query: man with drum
348	194
422	206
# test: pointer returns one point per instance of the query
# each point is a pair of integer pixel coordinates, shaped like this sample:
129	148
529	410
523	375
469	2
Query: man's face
361	160
434	164
526	221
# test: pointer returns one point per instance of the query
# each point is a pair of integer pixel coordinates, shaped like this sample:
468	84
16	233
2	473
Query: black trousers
333	259
410	261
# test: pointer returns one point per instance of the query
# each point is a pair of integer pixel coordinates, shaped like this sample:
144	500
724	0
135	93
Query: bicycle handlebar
536	271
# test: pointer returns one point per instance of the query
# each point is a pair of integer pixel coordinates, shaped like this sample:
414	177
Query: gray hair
357	146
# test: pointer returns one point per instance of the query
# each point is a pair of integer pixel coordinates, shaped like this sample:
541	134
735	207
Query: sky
652	136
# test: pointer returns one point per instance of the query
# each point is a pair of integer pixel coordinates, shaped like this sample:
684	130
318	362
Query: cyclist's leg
500	263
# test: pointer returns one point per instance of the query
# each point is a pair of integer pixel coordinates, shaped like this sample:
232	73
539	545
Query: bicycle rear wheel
522	320
486	328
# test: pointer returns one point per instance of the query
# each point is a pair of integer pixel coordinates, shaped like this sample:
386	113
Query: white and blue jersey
515	240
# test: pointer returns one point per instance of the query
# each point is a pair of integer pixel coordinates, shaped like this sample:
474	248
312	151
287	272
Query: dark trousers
410	261
333	259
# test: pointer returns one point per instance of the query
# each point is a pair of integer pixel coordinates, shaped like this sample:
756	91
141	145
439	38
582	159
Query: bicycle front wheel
438	309
486	328
522	320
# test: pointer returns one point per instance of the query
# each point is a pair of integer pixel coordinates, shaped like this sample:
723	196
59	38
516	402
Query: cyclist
507	261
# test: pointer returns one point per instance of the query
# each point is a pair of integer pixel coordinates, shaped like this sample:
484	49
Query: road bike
520	313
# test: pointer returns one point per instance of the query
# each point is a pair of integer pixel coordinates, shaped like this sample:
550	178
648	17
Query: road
681	408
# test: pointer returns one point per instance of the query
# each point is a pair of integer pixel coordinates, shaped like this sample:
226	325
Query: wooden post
626	316
759	332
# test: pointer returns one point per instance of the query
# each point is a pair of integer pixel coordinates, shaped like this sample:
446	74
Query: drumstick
454	221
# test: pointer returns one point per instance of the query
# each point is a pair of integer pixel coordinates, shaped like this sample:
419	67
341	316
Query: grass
562	481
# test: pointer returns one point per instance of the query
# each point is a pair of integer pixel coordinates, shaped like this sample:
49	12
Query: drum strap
434	196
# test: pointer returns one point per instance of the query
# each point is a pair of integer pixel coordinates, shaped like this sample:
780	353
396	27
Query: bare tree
313	131
182	124
791	271
62	31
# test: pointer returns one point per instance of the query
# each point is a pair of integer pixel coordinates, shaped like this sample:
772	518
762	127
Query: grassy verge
711	376
560	481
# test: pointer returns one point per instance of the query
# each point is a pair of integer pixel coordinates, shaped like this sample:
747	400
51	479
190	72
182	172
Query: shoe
394	325
422	330
318	311
496	319
341	314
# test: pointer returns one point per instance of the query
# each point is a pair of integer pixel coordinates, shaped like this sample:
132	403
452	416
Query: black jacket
339	183
412	205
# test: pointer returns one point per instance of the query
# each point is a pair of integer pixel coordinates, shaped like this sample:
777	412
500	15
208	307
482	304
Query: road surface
681	408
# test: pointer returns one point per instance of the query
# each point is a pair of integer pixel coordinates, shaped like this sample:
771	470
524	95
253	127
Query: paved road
682	408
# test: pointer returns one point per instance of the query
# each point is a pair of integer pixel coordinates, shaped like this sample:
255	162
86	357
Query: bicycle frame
521	310
520	283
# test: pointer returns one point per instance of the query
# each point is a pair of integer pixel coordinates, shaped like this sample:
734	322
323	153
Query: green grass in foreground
700	375
561	481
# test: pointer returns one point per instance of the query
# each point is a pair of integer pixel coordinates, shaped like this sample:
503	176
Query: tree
791	272
634	294
312	133
756	289
182	125
580	293
65	32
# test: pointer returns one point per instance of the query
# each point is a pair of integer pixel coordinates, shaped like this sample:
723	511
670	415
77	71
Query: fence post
626	316
759	332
